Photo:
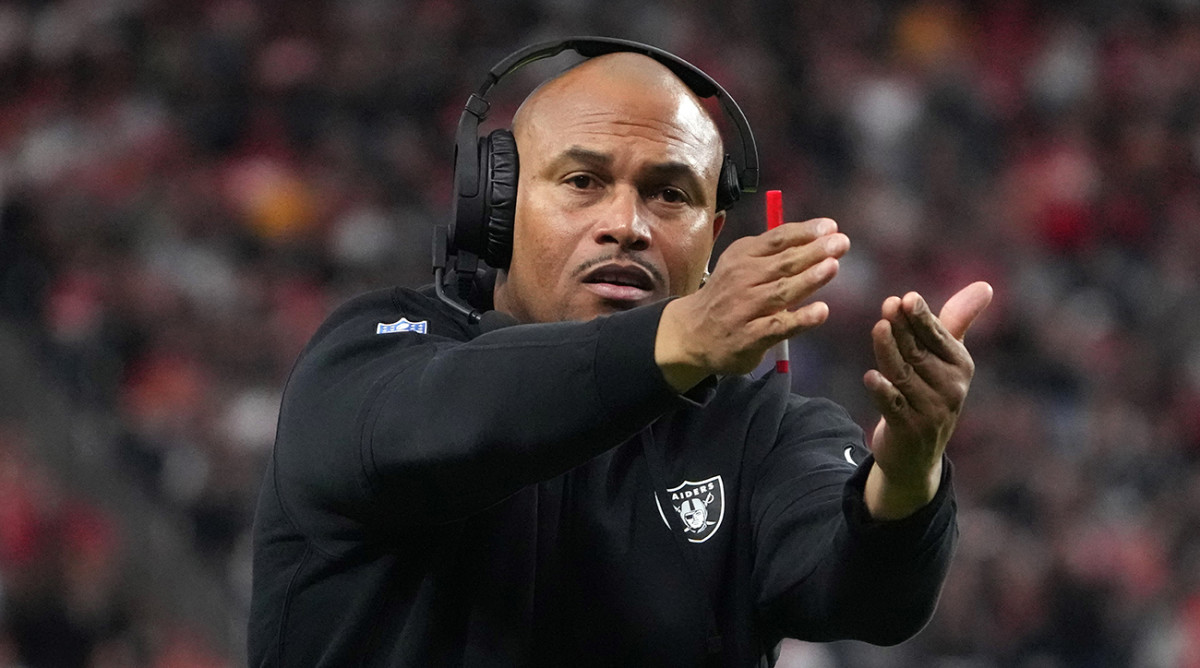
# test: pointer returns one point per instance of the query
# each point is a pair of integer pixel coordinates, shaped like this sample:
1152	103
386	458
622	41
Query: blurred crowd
187	189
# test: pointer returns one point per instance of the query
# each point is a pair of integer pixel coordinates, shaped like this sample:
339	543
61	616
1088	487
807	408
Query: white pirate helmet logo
699	505
695	514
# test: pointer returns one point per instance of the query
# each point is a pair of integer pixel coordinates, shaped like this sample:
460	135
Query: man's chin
594	308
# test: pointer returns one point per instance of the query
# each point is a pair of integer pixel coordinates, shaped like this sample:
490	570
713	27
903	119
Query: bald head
624	84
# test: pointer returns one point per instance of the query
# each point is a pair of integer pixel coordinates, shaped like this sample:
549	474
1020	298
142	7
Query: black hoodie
443	495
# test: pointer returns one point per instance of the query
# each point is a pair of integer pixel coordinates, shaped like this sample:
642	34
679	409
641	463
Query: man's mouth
620	282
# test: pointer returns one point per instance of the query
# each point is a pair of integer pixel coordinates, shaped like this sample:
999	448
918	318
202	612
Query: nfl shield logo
700	507
402	325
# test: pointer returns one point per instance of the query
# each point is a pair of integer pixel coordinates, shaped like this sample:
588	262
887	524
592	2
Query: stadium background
187	188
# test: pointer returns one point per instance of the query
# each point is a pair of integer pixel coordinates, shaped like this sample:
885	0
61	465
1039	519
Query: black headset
486	168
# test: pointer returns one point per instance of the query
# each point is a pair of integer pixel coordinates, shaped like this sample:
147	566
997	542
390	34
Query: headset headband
476	110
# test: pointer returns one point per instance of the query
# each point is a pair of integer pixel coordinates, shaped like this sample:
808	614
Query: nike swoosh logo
846	452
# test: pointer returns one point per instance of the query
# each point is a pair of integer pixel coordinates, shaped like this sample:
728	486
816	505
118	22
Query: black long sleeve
863	580
476	421
825	569
443	495
446	426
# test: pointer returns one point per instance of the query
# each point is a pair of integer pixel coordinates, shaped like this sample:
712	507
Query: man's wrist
887	499
678	365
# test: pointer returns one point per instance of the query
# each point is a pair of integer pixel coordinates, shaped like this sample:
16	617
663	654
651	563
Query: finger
796	259
888	399
789	291
891	308
899	370
941	360
902	329
785	324
929	332
789	235
964	307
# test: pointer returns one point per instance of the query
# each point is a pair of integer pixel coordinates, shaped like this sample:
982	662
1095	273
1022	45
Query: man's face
615	201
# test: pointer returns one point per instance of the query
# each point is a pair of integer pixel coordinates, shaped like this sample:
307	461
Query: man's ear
718	223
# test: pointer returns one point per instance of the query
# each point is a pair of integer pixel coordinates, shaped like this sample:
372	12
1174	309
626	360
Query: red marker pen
775	219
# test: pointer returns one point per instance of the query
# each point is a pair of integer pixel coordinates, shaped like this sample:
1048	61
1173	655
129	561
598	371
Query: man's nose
624	221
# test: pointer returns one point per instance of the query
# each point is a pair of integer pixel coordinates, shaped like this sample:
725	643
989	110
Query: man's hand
750	303
921	382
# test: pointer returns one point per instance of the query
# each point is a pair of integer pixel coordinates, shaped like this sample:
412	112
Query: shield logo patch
700	507
402	325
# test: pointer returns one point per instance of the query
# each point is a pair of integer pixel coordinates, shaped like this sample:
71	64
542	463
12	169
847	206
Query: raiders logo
699	505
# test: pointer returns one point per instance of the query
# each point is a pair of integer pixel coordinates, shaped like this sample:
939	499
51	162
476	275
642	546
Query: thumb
966	305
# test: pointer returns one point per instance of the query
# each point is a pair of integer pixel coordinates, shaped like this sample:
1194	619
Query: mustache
621	257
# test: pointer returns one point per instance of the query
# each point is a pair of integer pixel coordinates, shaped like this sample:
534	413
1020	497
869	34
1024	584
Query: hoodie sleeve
824	569
446	427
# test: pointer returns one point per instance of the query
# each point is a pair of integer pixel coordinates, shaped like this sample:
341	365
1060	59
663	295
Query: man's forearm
888	499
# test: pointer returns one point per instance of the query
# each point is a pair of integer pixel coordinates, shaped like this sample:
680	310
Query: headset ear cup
729	186
502	171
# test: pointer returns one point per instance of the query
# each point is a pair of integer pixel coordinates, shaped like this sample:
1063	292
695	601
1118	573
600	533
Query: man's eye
581	181
672	196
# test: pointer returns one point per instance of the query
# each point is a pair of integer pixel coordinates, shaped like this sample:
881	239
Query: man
442	495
